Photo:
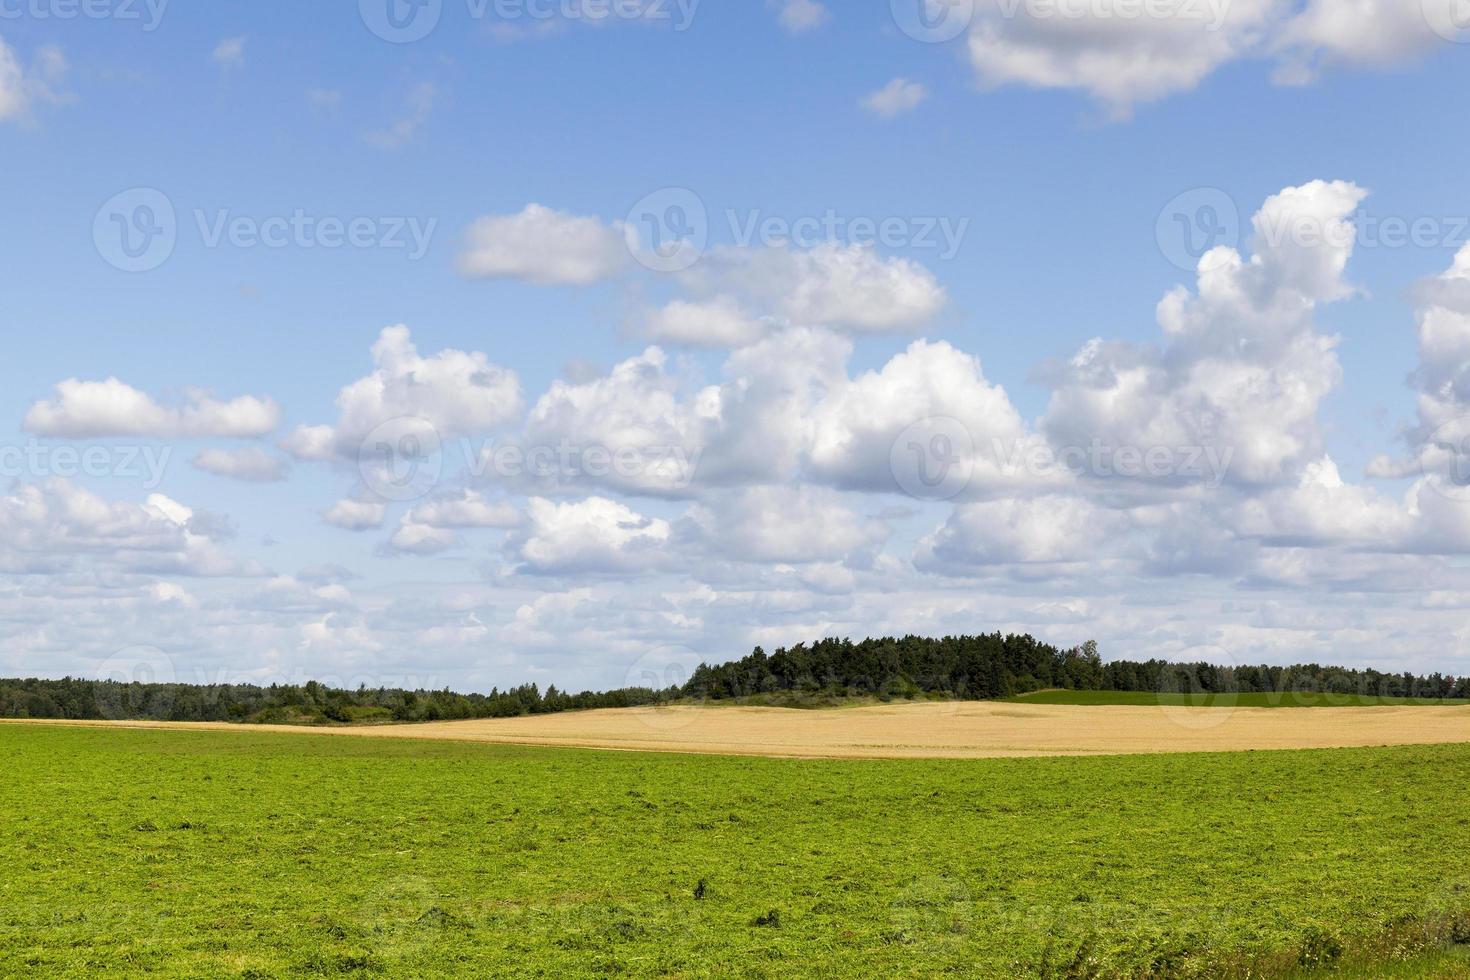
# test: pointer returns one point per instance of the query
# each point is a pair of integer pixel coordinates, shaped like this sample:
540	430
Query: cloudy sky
472	342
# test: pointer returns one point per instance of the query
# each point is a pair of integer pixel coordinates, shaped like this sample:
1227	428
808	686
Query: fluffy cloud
1043	529
930	390
790	521
787	411
421	539
897	97
1120	60
356	515
1124	54
734	292
671	436
1439	443
1243	371
1323	510
430	527
791	525
1238	384
468	509
13	97
634	413
449	394
57	526
22	89
543	246
1375	33
764	413
800	16
719	322
99	409
1443	375
848	287
251	465
590	536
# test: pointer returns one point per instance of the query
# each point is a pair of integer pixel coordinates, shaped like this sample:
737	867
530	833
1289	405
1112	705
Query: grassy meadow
169	853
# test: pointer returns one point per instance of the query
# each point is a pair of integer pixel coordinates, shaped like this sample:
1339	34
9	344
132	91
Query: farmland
941	729
1268	699
261	854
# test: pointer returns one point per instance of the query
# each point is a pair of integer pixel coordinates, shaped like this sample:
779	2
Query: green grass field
1289	699
222	854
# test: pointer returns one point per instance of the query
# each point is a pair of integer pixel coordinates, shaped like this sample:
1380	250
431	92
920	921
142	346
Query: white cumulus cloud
1243	370
842	286
592	535
252	465
543	246
356	515
98	409
718	322
454	393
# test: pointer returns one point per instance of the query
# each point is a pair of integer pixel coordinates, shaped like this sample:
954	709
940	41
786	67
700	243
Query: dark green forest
988	667
974	668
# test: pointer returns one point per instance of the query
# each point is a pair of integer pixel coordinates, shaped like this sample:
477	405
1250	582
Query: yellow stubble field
946	730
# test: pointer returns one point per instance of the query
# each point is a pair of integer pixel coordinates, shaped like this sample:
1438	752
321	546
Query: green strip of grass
1288	699
259	855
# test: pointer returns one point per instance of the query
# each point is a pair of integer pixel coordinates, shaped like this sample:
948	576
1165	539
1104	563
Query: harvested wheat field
964	730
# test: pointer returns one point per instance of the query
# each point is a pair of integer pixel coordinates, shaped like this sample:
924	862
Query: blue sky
1018	130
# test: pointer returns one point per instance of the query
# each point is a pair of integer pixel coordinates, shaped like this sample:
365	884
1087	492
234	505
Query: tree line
977	668
309	703
994	666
